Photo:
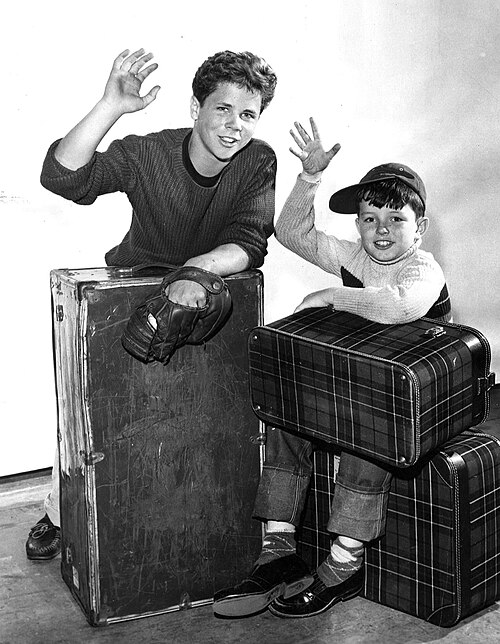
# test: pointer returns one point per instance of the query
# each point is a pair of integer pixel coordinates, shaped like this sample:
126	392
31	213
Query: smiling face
387	233
223	125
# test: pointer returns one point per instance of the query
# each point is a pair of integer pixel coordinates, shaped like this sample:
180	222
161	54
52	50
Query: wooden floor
36	607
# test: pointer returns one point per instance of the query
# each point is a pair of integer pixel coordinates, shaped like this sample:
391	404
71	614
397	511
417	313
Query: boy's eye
248	116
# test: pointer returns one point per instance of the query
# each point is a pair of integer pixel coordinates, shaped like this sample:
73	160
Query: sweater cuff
54	169
345	300
311	178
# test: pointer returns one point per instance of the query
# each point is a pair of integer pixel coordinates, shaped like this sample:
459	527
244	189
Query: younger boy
387	279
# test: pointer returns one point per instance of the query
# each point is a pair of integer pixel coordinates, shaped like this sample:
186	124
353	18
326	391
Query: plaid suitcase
440	556
392	392
158	473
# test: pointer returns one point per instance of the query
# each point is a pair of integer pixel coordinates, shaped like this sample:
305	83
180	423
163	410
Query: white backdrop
415	81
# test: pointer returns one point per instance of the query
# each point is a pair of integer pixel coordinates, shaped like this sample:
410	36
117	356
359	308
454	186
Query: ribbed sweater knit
393	293
176	213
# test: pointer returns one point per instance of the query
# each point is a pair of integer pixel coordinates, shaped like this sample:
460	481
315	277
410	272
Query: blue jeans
359	504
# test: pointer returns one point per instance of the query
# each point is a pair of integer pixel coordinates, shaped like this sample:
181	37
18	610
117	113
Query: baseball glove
159	326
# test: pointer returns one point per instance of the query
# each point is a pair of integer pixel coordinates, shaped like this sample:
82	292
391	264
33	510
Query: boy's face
386	233
223	125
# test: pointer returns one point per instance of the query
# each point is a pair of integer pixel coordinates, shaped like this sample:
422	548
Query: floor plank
37	607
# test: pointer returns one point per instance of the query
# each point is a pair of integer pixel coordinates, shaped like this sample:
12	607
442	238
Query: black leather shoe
44	541
319	598
284	576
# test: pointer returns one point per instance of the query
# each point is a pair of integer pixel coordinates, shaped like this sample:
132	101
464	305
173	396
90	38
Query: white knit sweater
393	293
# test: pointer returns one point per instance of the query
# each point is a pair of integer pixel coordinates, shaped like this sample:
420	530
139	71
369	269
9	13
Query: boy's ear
194	108
422	226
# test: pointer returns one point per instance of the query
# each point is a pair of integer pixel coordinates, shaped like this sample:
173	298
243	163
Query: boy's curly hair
243	69
392	193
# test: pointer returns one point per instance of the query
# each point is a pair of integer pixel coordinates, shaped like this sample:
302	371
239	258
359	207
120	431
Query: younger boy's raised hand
123	87
314	157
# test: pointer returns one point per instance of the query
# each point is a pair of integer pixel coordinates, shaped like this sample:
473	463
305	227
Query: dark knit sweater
175	215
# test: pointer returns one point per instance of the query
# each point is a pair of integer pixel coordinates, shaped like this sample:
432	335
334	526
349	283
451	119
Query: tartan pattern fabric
439	558
393	392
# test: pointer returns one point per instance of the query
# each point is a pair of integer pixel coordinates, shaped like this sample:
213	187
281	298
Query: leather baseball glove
159	326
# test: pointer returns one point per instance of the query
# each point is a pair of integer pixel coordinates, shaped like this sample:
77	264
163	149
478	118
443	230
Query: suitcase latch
258	439
485	384
91	458
435	331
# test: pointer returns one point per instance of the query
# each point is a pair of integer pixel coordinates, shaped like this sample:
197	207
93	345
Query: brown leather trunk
159	464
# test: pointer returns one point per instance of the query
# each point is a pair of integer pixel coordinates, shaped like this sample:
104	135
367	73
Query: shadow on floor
37	607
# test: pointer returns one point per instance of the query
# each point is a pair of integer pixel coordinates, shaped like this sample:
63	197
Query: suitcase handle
130	271
435	331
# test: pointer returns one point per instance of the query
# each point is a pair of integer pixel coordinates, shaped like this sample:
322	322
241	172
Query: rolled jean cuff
51	503
358	514
281	495
52	510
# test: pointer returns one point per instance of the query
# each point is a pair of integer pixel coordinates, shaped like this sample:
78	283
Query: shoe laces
38	531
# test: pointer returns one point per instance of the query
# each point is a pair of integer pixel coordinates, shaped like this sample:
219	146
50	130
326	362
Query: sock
276	544
342	562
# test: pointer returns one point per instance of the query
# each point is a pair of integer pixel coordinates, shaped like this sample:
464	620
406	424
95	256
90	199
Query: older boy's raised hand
314	157
121	95
122	92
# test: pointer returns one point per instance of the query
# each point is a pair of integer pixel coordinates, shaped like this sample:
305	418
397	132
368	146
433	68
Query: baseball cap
344	200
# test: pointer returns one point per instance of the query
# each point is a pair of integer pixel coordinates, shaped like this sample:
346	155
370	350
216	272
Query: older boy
388	279
201	196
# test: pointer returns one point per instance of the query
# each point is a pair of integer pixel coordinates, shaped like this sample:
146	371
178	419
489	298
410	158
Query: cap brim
344	201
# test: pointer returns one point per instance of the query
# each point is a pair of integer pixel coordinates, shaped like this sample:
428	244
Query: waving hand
311	152
121	96
123	88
